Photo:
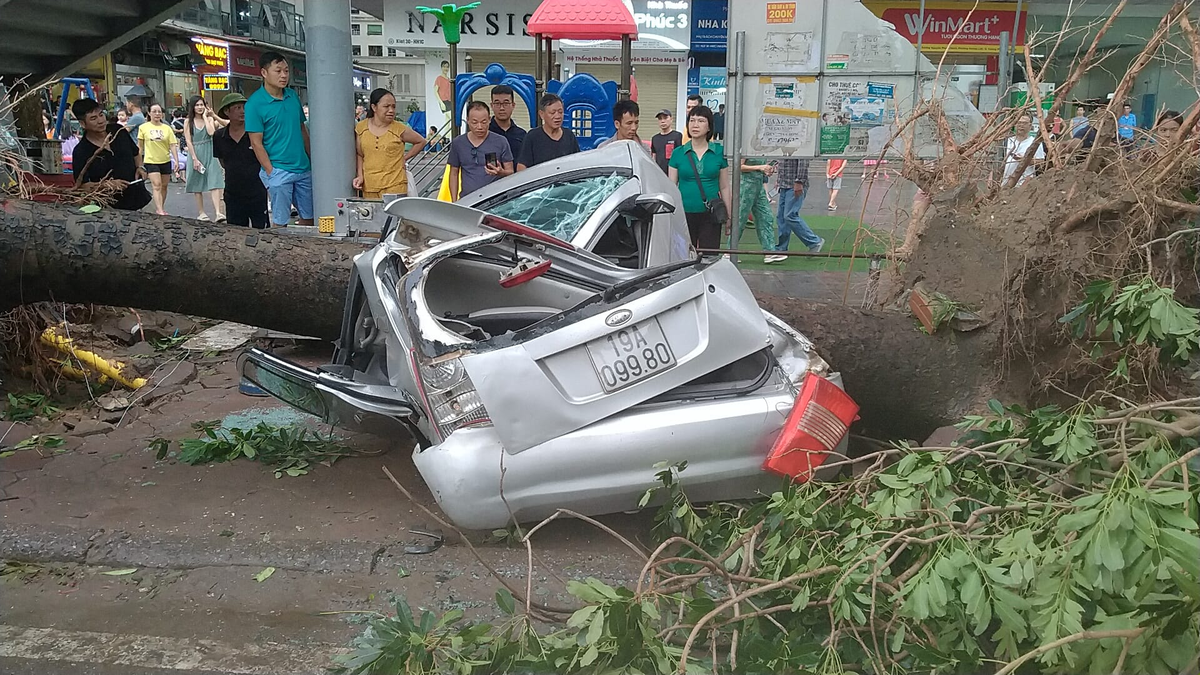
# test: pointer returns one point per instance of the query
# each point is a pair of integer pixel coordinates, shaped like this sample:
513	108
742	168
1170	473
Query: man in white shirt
1015	149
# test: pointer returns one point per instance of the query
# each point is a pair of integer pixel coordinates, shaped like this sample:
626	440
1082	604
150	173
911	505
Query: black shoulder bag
715	206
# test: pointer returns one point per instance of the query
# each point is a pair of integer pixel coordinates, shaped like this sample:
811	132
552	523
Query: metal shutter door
657	89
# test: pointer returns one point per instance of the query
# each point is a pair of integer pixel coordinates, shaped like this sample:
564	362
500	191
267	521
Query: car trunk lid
646	335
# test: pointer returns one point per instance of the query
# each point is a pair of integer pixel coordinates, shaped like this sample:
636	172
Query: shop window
375	50
374	29
392	52
355	29
356	50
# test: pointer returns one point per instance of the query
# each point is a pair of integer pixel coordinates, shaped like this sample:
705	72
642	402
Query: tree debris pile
1046	541
1020	253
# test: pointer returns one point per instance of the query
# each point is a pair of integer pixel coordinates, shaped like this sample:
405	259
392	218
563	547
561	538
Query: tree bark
281	281
907	383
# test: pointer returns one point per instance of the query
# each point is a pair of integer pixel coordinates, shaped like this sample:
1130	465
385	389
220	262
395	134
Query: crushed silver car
519	349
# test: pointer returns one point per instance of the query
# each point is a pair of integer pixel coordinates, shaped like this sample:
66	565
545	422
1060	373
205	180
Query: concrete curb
52	544
118	549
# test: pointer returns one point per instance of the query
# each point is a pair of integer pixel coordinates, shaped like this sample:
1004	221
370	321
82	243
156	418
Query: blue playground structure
587	102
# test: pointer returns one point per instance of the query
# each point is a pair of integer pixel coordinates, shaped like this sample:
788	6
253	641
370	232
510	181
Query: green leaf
596	629
264	575
1183	548
90	208
120	573
589	656
582	616
801	599
506	602
971	590
897	643
402	573
1169	497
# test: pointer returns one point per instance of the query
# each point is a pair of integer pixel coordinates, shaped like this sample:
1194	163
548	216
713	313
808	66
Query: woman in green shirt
700	170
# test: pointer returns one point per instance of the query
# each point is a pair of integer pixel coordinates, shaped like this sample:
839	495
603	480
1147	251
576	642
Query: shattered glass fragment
561	209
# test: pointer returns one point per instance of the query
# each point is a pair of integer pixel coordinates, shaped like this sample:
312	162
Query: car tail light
449	395
526	270
818	422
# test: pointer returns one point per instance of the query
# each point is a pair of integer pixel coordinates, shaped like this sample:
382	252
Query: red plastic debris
818	422
524	272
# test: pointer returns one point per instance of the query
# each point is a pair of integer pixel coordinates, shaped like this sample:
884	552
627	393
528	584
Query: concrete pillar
626	67
330	102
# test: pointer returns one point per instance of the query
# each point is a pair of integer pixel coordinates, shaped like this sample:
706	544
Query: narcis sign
953	27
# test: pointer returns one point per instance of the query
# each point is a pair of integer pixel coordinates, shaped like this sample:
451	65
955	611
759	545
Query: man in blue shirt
275	123
1125	125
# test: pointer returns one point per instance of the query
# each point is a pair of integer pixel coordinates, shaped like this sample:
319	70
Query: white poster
793	52
439	88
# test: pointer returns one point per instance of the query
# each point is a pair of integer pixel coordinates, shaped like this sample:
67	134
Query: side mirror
655	203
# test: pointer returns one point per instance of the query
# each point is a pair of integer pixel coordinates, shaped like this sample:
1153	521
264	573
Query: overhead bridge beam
98	26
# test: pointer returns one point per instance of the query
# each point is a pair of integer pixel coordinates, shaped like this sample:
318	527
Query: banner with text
956	27
662	24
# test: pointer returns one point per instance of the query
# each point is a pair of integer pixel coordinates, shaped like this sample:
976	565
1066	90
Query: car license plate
630	355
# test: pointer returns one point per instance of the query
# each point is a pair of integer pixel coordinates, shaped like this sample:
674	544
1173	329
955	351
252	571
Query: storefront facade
244	73
496	34
1165	83
708	57
964	37
967	36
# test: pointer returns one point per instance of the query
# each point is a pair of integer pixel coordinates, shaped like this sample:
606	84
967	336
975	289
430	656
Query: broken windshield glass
561	209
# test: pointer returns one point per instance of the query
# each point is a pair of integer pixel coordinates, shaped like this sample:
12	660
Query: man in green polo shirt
275	123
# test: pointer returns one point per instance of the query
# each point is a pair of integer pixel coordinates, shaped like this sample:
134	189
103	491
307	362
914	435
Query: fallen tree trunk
907	383
285	282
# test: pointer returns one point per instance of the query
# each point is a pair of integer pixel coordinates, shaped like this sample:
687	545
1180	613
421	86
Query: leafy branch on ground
25	407
287	450
1119	320
36	442
1049	540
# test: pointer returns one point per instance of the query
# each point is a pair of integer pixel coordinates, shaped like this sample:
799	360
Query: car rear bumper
607	466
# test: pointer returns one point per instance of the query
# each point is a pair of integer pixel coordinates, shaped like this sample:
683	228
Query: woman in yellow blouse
159	148
380	142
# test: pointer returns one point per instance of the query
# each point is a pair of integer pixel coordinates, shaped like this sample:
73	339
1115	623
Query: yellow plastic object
326	224
444	192
93	361
75	373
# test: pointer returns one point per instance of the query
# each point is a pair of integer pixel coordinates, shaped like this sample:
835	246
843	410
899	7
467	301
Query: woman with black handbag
702	173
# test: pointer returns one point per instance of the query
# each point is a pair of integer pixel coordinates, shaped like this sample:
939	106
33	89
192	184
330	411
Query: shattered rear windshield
560	209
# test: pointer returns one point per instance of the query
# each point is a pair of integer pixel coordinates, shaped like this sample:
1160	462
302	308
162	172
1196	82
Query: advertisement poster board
832	78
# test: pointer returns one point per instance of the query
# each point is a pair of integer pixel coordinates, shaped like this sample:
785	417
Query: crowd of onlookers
495	146
262	143
1081	132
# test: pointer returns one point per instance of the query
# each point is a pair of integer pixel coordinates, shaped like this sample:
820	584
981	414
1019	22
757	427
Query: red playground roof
582	20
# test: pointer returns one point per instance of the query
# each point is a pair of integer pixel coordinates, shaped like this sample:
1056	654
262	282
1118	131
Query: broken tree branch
1123	88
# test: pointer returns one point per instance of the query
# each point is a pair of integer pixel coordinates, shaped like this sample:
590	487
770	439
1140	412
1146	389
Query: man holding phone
479	156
